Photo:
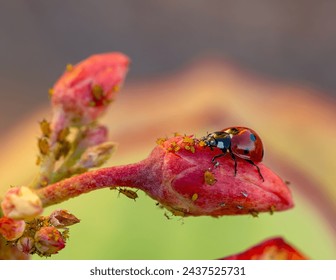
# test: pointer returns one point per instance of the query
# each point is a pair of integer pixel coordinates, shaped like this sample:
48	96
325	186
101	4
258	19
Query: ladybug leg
216	163
235	163
217	156
211	148
261	176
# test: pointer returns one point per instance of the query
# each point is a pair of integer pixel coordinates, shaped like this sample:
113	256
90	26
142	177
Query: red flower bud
48	241
84	91
180	174
11	229
26	245
271	249
10	252
193	185
62	218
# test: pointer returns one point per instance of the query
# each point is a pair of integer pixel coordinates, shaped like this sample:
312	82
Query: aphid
130	194
38	160
190	148
239	142
160	141
159	205
177	211
43	145
69	67
254	213
62	135
116	88
97	92
45	128
209	178
174	147
65	148
187	139
166	215
51	91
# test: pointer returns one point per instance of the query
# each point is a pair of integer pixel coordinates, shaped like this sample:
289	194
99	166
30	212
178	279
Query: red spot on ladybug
239	142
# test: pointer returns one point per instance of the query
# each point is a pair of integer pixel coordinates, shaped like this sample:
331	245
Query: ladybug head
218	139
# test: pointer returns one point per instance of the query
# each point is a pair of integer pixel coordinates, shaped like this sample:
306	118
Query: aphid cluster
188	143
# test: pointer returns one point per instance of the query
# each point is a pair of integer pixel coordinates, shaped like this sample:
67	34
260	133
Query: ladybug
239	142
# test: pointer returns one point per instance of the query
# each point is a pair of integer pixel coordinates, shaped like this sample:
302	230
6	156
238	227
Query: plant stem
112	177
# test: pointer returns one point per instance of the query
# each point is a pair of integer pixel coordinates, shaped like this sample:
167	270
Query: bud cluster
44	236
71	143
73	140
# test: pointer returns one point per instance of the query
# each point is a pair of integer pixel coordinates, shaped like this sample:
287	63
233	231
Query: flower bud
21	203
11	229
96	156
26	244
93	136
62	218
183	184
48	241
271	249
10	252
85	90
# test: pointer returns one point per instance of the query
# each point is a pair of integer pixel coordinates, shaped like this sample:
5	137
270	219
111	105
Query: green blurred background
196	66
123	229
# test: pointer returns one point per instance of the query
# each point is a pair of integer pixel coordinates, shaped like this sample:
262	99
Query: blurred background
197	66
